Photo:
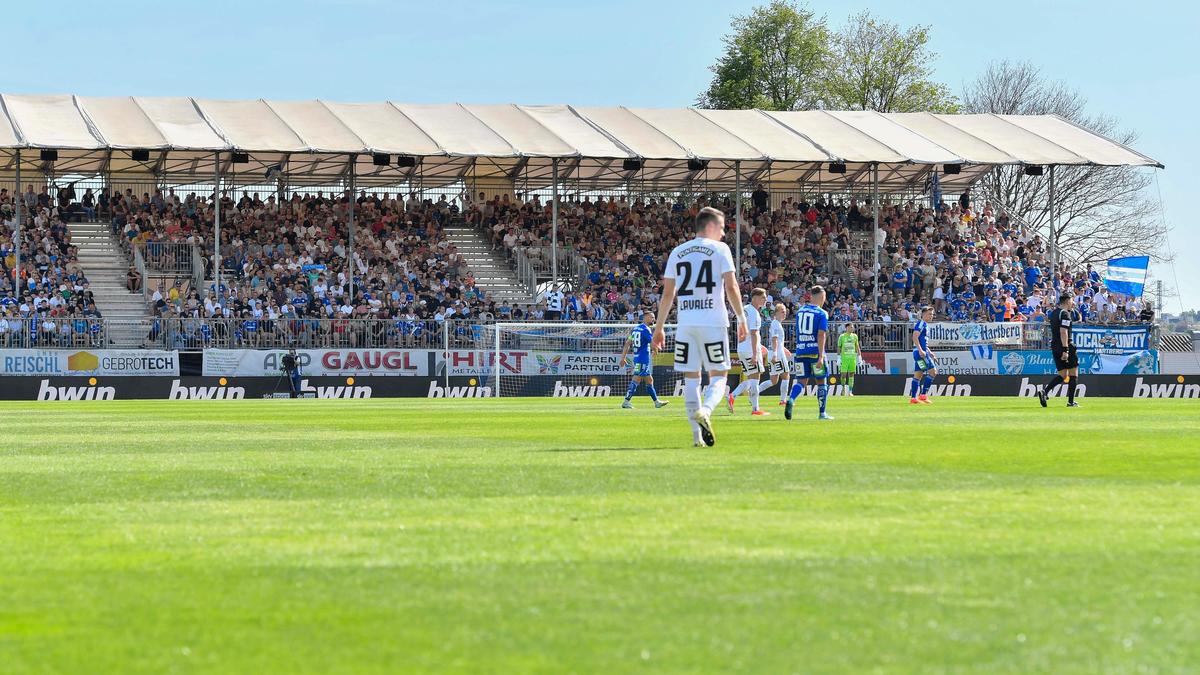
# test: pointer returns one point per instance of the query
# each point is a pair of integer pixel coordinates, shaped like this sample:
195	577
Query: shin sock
716	391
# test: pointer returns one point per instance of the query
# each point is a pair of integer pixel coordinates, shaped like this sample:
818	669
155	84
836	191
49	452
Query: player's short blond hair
780	307
758	293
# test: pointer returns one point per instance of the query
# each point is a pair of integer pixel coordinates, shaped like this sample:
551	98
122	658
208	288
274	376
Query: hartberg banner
963	334
106	362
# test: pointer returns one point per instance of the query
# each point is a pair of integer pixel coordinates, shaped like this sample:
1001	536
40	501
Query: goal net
568	359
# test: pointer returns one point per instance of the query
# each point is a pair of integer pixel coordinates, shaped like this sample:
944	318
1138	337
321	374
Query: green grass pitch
549	535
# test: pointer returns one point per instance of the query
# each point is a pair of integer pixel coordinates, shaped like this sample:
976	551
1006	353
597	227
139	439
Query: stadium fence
188	334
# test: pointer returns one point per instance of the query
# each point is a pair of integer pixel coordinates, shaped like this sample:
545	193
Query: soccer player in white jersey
778	356
750	354
700	273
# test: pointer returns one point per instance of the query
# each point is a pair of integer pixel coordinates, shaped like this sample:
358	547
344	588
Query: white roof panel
121	122
522	131
577	132
317	127
250	125
180	122
768	136
1011	139
50	121
1097	149
837	137
384	128
635	133
701	136
457	131
908	143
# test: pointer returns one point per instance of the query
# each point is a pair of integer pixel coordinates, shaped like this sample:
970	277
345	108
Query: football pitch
551	535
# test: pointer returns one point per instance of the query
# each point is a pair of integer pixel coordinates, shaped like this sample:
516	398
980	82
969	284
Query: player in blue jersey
812	325
924	365
643	369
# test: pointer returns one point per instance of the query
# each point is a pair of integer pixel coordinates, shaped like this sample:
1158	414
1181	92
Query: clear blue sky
1135	61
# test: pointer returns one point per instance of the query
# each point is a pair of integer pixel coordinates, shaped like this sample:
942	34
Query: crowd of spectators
47	302
970	263
285	265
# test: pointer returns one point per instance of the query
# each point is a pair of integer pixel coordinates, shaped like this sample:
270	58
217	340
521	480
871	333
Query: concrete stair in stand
493	273
105	266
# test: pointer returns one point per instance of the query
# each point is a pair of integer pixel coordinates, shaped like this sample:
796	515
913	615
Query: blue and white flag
982	351
1127	275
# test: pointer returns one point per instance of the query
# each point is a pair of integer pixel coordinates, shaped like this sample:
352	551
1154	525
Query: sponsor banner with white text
1110	340
946	334
87	362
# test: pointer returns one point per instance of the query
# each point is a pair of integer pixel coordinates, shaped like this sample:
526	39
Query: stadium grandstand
399	225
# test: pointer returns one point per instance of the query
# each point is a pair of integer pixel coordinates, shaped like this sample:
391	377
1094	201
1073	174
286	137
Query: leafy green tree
876	65
773	60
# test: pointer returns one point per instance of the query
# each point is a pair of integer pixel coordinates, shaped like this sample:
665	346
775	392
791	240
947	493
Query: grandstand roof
314	140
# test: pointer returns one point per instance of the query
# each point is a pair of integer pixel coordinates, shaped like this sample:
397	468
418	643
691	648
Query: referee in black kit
1066	361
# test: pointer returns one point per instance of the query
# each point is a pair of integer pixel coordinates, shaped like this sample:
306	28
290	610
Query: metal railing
842	261
57	333
168	258
139	263
190	334
526	273
570	263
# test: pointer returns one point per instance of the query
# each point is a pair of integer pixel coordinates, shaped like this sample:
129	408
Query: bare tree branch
1103	212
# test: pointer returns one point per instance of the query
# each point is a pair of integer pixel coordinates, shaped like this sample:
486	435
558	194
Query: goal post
563	359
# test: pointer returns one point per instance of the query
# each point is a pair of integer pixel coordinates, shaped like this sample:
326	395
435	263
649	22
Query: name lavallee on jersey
697	303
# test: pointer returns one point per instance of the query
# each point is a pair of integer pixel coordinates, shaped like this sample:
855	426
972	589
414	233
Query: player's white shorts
779	367
750	366
701	348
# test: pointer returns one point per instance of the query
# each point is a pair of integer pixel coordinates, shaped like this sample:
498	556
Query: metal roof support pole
1053	236
217	222
350	248
19	202
554	226
875	232
737	217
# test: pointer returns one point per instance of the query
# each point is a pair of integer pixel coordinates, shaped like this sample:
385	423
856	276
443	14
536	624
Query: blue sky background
1134	61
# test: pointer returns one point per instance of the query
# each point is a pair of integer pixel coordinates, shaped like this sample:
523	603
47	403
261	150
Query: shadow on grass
661	447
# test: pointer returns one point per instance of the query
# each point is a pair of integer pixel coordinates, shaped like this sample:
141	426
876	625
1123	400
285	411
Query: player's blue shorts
921	365
808	367
642	369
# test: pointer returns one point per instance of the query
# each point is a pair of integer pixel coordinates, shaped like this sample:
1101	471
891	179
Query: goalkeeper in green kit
850	352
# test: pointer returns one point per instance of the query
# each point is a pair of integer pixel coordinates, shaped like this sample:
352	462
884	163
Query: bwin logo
339	391
221	392
585	391
458	392
47	392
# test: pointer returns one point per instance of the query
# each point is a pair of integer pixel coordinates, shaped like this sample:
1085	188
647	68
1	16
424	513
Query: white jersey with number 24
698	268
